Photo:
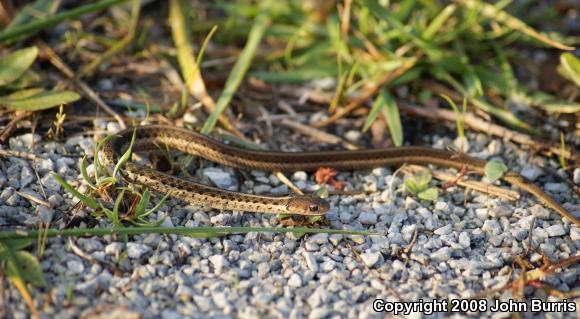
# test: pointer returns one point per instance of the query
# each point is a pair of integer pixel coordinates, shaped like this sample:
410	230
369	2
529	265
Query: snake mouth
307	205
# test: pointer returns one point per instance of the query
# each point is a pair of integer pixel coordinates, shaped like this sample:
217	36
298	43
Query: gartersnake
150	137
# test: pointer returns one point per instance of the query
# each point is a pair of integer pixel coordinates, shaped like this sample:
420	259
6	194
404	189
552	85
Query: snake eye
313	208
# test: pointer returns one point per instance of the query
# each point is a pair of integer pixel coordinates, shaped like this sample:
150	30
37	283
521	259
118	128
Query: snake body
149	137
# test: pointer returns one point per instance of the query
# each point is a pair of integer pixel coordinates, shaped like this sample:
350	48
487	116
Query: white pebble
443	254
295	281
371	258
555	231
135	250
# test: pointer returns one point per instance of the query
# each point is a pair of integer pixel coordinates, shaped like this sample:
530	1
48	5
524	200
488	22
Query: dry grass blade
189	65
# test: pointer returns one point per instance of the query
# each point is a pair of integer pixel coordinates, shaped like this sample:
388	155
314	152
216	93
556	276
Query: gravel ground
465	245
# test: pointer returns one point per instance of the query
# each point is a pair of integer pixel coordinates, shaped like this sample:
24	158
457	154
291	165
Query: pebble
555	231
464	240
445	230
531	172
219	177
219	262
353	136
136	250
576	176
76	267
319	239
556	187
295	281
366	218
442	254
371	258
491	226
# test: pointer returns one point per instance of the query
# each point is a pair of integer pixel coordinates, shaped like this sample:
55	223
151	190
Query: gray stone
442	254
531	172
219	262
576	176
491	226
136	250
366	218
76	267
319	239
556	231
371	258
219	177
556	187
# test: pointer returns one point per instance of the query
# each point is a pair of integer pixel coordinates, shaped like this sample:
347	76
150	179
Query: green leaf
429	194
494	170
39	101
570	67
143	201
85	174
418	182
391	113
30	268
126	156
16	63
21	265
92	203
374	112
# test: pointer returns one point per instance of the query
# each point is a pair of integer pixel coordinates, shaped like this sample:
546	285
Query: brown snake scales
149	137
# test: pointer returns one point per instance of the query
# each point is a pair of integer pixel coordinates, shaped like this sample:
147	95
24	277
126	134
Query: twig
88	92
317	134
529	248
19	116
9	153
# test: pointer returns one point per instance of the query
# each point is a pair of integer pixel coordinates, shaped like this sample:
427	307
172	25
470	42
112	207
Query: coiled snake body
149	137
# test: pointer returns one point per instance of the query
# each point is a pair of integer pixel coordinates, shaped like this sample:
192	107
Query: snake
150	137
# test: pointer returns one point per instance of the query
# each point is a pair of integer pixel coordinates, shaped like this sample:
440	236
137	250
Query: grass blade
242	65
90	202
40	24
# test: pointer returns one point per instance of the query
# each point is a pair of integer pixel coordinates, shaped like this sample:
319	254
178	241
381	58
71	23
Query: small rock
576	177
464	240
218	262
319	239
310	261
575	234
491	226
556	187
75	266
531	172
444	230
555	231
443	254
113	249
352	135
319	313
367	218
262	189
135	250
219	177
295	281
371	258
300	176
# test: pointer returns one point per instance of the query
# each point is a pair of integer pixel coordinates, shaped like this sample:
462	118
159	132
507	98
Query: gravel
456	247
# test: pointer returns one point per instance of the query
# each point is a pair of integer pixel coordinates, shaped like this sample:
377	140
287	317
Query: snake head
307	205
